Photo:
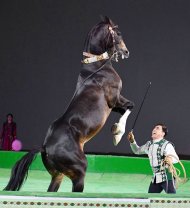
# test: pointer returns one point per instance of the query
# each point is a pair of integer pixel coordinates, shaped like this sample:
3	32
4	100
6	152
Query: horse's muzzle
124	52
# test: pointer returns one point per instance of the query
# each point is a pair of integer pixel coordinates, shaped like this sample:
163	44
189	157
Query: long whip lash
141	107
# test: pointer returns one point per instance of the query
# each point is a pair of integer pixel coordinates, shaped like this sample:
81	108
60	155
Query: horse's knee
130	105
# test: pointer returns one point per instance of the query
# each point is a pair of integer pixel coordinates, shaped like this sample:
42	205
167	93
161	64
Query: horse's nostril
127	52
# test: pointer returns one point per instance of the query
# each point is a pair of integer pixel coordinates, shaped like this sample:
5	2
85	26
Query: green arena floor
38	181
111	181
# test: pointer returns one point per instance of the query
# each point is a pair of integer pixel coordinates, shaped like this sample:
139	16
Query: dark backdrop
41	44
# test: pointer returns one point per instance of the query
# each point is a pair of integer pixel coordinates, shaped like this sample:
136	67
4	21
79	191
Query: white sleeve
139	150
170	151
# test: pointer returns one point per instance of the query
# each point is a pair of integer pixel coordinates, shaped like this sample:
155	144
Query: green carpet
38	181
111	181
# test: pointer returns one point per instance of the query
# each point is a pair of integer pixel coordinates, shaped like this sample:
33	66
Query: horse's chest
113	86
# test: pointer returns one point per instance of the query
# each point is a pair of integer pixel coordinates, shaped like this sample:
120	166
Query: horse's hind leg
77	174
78	184
56	177
55	182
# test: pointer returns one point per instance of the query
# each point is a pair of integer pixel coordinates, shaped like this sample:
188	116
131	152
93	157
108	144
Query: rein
100	68
94	58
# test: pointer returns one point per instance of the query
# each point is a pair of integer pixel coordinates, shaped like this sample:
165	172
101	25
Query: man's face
157	132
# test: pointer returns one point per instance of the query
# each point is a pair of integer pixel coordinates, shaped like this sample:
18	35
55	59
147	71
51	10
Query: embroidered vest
160	173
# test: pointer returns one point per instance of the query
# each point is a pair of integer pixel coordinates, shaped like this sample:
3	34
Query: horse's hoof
117	139
115	129
117	132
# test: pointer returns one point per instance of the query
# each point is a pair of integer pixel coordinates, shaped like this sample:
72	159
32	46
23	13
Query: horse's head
116	44
106	37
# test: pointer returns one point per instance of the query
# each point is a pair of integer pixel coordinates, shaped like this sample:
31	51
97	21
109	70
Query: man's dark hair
10	114
164	128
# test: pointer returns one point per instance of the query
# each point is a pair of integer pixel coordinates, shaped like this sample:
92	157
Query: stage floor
101	190
94	182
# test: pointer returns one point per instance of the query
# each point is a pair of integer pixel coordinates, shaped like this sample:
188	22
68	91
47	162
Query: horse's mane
104	21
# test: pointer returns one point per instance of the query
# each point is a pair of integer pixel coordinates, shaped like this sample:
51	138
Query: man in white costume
158	150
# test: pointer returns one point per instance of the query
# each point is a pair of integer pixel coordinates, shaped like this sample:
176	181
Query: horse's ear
106	20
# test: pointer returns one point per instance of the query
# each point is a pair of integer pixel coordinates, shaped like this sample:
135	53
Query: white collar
157	140
93	58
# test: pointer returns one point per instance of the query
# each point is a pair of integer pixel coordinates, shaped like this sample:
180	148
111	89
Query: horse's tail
19	172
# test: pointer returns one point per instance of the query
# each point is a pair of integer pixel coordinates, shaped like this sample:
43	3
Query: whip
148	87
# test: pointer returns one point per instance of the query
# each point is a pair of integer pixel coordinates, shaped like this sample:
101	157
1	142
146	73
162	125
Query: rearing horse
97	94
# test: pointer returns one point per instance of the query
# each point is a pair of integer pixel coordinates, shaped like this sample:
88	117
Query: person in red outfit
8	133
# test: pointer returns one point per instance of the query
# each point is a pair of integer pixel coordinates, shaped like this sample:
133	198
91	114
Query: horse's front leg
124	107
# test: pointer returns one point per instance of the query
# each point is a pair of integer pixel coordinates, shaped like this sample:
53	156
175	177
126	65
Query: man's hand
131	137
168	160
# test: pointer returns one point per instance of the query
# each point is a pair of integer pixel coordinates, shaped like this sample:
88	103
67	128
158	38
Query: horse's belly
95	122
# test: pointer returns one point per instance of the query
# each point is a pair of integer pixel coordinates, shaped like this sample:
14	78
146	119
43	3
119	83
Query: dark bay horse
97	94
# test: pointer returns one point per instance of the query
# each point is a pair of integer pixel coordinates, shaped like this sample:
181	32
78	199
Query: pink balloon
17	145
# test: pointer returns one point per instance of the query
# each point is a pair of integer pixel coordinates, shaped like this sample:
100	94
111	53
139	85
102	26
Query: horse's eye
117	39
